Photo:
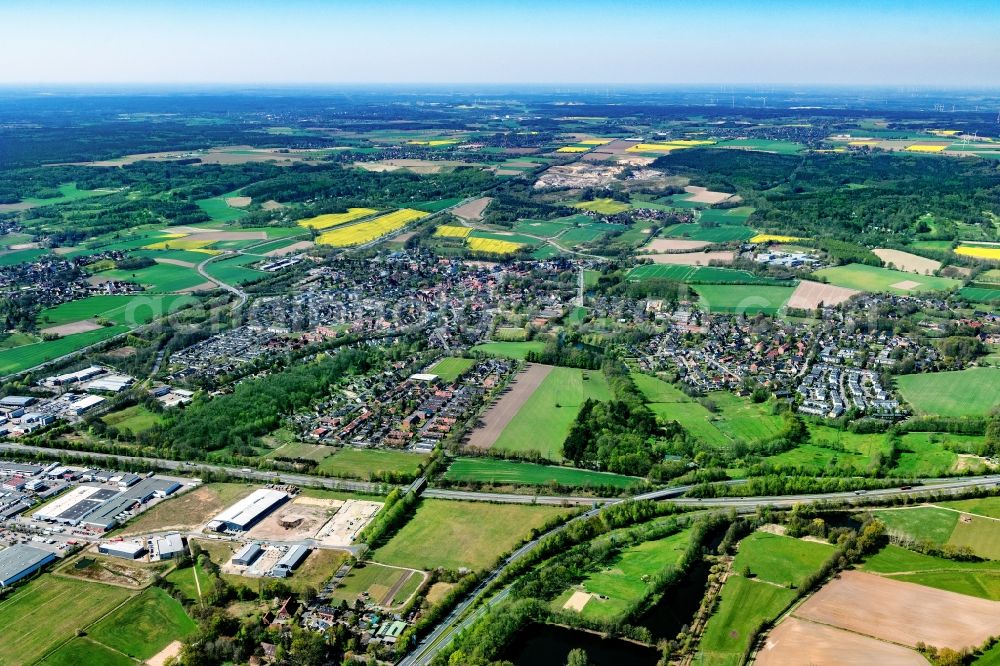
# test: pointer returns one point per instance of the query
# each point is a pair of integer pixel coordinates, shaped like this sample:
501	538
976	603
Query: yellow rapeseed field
940	132
492	246
862	142
446	231
366	232
768	238
572	149
667	146
926	148
979	252
335	219
433	142
182	243
596	142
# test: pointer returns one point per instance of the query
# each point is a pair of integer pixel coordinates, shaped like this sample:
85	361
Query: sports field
452	535
626	579
507	472
48	611
875	279
743	299
451	368
145	625
370	230
971	392
366	463
544	420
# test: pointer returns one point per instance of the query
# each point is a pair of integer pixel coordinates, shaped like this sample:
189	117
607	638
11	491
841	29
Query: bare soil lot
899	612
905	285
904	261
73	327
473	210
673	245
174	262
500	414
808	295
290	249
271	204
692	258
238	202
705	195
161	657
414	165
296	519
795	642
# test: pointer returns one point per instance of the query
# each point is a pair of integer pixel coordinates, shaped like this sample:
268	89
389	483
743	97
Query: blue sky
913	43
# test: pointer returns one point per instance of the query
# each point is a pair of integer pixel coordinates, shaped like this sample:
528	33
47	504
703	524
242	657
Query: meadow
448	534
603	206
699	275
971	392
719	234
85	652
744	605
977	579
780	560
980	294
134	419
743	299
507	472
626	579
369	230
983	506
369	463
451	368
926	523
875	279
233	270
518	350
132	310
163	278
545	419
17	359
145	625
376	580
220	211
48	611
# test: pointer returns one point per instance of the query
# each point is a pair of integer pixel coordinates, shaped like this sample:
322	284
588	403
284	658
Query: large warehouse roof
20	559
252	508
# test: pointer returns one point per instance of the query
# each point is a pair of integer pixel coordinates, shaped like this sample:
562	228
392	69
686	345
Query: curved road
242	295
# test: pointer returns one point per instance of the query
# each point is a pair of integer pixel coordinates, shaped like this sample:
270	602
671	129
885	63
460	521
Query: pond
549	645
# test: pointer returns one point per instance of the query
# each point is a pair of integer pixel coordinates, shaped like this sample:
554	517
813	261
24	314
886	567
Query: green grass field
302	450
85	652
217	208
506	472
971	392
780	559
451	368
28	356
978	579
627	578
749	299
699	275
980	534
48	611
69	192
719	234
163	278
671	404
980	294
726	216
925	522
363	463
452	535
762	145
374	579
543	422
743	606
21	256
130	310
923	454
233	270
983	506
145	625
184	580
603	206
134	419
517	350
875	279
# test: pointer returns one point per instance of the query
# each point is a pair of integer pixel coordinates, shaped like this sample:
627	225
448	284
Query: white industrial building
126	550
166	547
248	511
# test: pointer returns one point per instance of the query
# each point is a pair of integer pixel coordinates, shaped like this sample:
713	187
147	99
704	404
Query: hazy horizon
556	43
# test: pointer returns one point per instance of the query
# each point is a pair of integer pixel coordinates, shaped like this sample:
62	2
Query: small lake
678	605
549	645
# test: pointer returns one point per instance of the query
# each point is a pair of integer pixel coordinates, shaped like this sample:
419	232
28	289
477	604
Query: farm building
291	559
126	550
22	560
166	547
247	554
248	511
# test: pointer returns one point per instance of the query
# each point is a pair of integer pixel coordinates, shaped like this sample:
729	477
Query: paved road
242	295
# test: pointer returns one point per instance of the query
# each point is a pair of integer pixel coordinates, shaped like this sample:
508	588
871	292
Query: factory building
248	511
126	550
247	554
291	559
20	561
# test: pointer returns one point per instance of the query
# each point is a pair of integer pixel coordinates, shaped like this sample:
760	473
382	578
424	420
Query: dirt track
903	613
500	414
795	642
